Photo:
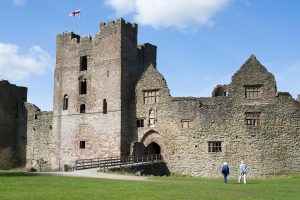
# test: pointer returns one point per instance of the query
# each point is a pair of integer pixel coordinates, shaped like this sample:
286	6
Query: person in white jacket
243	172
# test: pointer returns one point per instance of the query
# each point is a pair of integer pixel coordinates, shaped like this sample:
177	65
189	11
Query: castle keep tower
94	99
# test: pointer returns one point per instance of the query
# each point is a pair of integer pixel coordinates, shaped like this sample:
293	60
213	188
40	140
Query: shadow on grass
248	183
14	174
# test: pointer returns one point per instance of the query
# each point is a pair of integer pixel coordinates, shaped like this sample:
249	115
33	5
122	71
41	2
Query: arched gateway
153	143
152	148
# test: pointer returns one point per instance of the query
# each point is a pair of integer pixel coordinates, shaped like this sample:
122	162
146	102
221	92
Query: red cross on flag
74	13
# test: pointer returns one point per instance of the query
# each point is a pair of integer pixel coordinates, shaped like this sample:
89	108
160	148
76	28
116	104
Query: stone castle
110	100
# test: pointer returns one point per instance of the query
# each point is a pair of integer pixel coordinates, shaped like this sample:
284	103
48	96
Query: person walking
225	171
243	172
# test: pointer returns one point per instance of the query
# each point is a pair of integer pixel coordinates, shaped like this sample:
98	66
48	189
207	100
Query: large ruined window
82	108
215	146
82	87
252	91
65	102
151	96
140	122
253	119
104	106
83	63
82	144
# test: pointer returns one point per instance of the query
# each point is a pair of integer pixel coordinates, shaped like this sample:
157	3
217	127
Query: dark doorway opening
153	148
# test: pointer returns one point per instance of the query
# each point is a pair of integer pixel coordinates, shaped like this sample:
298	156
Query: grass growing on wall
19	185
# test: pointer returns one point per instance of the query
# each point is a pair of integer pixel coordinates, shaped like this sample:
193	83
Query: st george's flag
75	13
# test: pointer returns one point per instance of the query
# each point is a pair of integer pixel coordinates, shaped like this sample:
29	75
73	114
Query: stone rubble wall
39	137
115	63
13	120
269	149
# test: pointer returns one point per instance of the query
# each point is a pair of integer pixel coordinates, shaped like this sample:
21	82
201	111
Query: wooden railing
115	162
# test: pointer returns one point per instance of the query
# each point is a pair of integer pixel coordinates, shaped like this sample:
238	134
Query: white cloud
181	14
19	2
17	66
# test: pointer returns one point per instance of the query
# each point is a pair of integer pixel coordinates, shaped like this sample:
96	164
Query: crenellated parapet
119	24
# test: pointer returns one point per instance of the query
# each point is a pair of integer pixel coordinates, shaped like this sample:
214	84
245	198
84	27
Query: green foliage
18	185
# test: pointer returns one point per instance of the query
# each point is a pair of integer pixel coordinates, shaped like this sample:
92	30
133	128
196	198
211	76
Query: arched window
104	106
65	102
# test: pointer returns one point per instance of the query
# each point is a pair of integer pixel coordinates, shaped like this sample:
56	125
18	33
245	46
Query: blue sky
201	43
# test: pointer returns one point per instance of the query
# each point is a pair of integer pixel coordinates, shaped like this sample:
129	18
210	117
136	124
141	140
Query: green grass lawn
19	185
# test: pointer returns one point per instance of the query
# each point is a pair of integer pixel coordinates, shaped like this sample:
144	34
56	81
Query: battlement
66	37
120	26
118	22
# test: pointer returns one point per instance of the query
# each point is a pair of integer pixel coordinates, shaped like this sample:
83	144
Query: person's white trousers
242	176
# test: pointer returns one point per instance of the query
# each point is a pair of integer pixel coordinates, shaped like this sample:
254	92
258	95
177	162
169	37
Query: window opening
252	91
82	144
82	108
66	102
185	123
104	106
82	87
83	63
151	97
140	122
253	119
215	146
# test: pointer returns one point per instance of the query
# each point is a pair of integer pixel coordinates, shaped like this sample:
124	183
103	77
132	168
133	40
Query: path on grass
92	173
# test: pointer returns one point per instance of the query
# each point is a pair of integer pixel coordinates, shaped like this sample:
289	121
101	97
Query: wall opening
214	146
82	108
153	148
65	102
82	87
140	122
83	63
253	91
82	144
104	106
151	96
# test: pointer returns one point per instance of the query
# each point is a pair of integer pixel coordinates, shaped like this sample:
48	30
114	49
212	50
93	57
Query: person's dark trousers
225	178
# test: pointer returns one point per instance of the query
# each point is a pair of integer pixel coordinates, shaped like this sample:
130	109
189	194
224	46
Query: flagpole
79	23
75	14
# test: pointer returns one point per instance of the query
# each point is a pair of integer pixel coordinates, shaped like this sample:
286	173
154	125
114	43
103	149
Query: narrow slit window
82	108
83	63
82	87
104	106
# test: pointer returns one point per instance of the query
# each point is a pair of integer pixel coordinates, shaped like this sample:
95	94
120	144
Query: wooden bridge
117	162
